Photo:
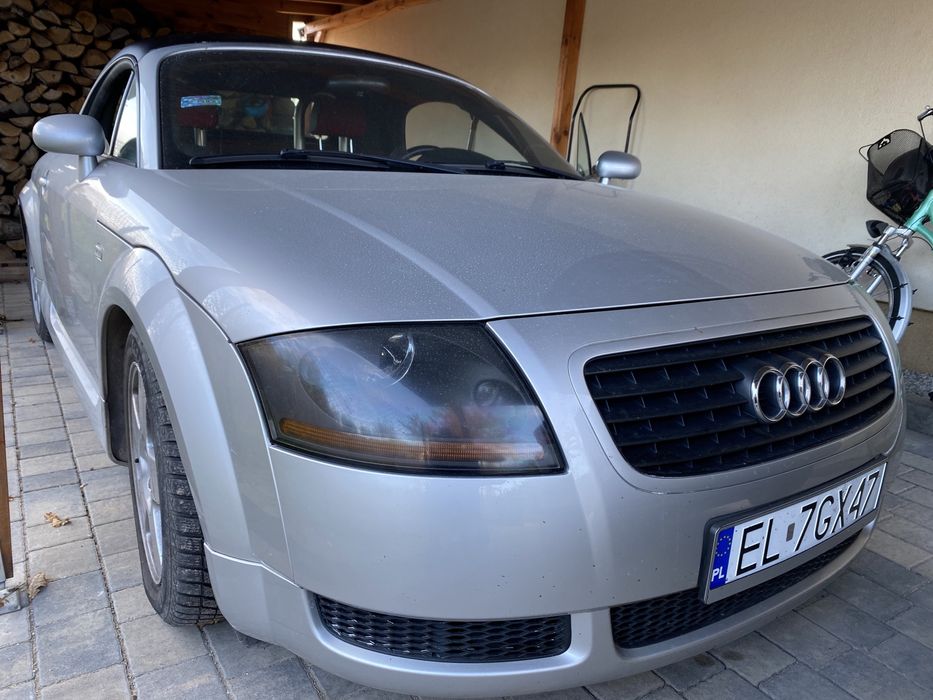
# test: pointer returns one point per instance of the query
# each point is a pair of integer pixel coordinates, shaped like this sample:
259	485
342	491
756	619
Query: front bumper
263	604
581	542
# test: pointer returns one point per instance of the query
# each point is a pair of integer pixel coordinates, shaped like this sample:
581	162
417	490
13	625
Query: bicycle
900	185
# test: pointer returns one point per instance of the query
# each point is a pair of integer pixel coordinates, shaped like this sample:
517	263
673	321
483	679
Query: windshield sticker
200	101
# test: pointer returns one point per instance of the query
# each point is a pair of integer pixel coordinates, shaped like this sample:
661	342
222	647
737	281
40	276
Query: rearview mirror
74	134
617	165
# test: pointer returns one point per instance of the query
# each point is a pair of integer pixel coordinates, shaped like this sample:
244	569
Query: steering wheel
410	153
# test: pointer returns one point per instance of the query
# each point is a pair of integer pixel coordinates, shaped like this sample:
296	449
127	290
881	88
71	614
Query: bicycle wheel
892	294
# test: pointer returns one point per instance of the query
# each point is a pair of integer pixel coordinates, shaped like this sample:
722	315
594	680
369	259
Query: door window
440	124
125	134
104	103
446	125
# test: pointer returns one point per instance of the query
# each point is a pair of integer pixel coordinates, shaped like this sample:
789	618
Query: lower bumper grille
659	619
463	641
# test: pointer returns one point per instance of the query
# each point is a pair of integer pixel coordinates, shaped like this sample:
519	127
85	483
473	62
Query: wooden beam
232	16
567	73
306	9
6	536
360	14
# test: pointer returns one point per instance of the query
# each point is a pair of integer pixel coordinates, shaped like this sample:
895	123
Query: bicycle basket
900	173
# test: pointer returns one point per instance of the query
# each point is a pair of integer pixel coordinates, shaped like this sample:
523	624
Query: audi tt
401	390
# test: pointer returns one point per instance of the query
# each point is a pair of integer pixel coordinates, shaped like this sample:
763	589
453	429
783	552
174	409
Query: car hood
270	251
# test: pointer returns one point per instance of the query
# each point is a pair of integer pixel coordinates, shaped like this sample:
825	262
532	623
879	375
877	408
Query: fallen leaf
55	521
36	584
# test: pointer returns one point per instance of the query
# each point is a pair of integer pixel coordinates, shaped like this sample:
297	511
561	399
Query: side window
489	143
106	101
440	124
124	136
445	125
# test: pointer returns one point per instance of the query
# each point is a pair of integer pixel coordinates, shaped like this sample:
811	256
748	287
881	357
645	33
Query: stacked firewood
50	54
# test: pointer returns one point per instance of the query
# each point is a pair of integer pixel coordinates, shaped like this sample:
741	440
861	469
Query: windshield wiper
511	165
340	158
392	163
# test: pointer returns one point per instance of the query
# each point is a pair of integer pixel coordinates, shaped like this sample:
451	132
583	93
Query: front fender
30	212
195	363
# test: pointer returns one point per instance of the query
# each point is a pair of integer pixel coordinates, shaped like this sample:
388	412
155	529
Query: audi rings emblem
793	385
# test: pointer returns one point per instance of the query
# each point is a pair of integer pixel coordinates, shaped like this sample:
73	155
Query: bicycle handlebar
928	110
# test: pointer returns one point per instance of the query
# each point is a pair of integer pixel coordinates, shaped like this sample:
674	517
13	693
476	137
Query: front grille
457	641
659	619
677	411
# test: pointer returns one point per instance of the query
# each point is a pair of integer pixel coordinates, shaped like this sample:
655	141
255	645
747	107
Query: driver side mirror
74	134
617	165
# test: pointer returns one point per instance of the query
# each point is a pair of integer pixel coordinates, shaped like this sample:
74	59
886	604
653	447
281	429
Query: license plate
753	545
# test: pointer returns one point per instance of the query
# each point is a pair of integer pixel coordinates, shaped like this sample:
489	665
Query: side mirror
74	134
618	165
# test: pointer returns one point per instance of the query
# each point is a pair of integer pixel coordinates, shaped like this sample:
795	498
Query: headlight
442	399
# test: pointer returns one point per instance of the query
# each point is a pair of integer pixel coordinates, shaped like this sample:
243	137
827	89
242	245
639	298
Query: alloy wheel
145	473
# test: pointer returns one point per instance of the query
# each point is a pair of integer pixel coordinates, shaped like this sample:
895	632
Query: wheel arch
116	328
29	216
141	294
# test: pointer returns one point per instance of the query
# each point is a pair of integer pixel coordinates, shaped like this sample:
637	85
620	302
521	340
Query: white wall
509	48
752	108
756	108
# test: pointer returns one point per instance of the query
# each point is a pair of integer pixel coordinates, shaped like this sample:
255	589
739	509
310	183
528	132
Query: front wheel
38	319
887	282
42	328
171	545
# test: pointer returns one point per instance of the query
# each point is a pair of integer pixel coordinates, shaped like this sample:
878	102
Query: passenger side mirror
74	134
617	165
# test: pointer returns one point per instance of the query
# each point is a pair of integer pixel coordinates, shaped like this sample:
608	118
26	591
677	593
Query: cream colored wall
509	48
752	108
756	108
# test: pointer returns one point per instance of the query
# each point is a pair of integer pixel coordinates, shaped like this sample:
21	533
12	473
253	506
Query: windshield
219	104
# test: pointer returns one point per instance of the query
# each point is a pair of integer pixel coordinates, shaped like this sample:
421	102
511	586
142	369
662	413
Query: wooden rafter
339	3
229	16
567	73
358	15
306	9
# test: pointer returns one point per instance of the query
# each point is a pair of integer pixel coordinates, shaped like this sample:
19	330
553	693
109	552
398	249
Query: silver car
403	392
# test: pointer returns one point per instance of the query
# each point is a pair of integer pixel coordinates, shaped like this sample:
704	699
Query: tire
893	295
168	531
38	320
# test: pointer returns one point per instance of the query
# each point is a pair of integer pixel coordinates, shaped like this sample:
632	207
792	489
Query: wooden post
567	73
6	536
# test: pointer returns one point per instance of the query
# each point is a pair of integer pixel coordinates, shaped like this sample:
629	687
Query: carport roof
266	17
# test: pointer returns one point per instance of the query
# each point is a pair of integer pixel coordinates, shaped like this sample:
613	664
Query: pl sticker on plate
766	540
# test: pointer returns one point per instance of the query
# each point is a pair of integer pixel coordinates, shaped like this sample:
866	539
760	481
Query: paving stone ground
92	634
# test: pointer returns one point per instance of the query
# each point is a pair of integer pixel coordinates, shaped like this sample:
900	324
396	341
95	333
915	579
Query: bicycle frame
917	224
918	220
